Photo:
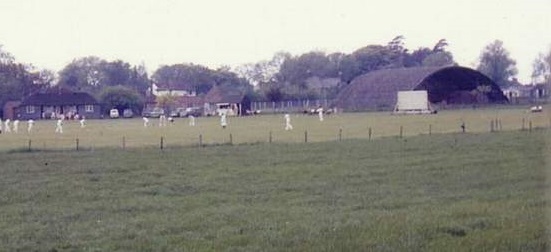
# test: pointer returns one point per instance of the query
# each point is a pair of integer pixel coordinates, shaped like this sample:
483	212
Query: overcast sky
51	33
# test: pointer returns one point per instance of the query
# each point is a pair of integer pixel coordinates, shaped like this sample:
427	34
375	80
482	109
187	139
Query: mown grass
445	192
257	129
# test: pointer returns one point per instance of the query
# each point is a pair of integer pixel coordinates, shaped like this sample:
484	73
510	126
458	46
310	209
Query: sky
51	33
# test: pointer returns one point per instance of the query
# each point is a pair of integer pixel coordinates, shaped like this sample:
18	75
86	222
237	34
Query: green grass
257	129
444	192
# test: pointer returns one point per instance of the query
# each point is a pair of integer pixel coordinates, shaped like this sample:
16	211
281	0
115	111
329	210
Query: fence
269	136
290	105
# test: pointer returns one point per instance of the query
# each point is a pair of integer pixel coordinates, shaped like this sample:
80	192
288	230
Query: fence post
77	142
123	143
401	131
530	125
270	137
162	142
305	136
231	139
200	140
523	124
369	132
492	126
430	129
340	134
29	144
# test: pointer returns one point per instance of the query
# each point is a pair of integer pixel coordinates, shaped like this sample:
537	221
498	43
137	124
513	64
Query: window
29	109
89	108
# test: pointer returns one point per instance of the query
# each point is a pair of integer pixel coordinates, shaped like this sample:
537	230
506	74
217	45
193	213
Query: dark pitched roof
59	99
378	89
219	95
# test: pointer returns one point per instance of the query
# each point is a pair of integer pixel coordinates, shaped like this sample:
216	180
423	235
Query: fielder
30	124
288	125
191	120
82	122
223	120
7	126
145	122
59	126
16	126
320	113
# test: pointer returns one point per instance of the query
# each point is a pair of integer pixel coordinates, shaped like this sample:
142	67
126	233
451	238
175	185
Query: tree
92	74
542	68
121	98
496	63
167	101
18	80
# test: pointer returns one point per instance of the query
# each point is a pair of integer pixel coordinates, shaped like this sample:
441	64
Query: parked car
127	113
177	112
114	113
155	112
191	111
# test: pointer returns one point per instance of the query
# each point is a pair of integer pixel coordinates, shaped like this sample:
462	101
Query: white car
114	113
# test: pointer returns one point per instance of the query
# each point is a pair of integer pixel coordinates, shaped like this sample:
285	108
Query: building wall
45	112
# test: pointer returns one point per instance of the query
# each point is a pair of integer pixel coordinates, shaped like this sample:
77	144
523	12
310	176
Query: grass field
444	192
110	133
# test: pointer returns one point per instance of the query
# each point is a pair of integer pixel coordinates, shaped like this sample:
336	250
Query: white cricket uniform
145	121
191	120
7	126
30	124
16	126
59	126
288	125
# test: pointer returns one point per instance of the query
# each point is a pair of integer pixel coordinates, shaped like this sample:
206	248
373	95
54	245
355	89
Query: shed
378	90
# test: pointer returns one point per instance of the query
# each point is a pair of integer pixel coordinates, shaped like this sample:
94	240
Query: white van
114	113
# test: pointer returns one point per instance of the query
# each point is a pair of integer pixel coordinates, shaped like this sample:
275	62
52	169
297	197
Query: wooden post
530	126
305	136
77	144
340	134
369	132
162	142
492	126
523	124
29	144
270	137
430	129
123	143
401	131
231	139
200	140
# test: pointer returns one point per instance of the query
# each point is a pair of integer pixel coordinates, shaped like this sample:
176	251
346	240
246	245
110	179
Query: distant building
58	102
445	86
527	94
226	100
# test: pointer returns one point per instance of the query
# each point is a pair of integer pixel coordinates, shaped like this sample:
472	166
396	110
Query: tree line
313	75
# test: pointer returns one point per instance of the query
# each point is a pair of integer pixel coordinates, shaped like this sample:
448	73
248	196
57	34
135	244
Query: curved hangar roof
452	85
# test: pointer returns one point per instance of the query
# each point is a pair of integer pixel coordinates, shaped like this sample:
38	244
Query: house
176	89
226	100
526	94
57	102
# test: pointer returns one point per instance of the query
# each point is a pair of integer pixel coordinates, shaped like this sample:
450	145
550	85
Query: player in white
288	125
16	126
30	124
223	120
59	126
162	120
145	121
7	126
191	120
1	126
320	113
82	122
